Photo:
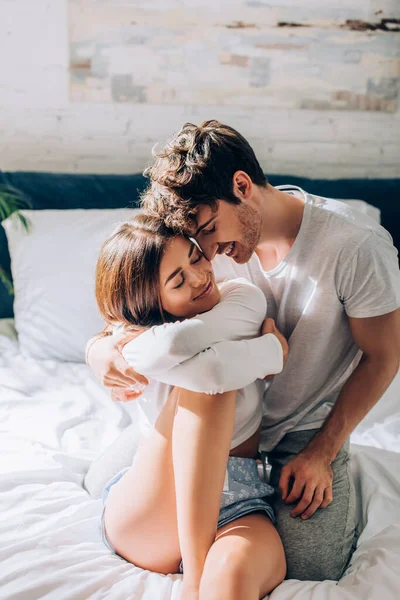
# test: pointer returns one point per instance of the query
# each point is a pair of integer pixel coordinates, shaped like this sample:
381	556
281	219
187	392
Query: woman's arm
239	315
226	366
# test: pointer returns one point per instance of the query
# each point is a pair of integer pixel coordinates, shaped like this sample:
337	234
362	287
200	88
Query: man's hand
269	326
111	369
310	478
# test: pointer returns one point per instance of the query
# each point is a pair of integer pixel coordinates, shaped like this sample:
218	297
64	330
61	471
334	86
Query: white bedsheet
55	419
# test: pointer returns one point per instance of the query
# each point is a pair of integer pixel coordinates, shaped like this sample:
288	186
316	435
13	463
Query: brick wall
313	85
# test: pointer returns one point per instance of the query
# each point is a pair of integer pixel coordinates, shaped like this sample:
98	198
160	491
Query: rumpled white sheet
55	419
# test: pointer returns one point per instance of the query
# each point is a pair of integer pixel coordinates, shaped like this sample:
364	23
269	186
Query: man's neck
282	215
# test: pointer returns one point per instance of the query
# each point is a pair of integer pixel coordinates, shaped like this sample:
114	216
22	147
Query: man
330	275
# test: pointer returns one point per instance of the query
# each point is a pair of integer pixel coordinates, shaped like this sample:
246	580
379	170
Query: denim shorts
243	493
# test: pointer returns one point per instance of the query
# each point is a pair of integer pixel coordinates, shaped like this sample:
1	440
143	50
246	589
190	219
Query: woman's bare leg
141	514
201	441
246	561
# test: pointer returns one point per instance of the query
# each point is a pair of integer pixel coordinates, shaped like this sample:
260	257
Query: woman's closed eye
197	260
181	283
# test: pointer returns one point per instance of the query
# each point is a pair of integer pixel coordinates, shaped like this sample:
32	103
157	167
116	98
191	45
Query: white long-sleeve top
214	352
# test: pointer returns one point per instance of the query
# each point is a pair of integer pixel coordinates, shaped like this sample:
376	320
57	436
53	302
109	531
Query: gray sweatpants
320	547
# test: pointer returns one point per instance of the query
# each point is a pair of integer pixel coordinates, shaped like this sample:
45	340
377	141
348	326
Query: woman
167	506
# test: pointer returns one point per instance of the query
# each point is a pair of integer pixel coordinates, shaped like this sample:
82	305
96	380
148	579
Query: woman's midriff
248	448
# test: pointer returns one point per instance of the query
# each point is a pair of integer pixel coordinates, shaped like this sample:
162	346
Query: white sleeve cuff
267	352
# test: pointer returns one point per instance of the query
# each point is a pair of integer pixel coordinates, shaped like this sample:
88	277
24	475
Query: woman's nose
199	276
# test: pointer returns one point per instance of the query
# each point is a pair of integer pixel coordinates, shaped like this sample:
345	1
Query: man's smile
227	249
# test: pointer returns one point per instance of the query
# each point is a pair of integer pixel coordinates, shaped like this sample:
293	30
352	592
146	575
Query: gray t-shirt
342	263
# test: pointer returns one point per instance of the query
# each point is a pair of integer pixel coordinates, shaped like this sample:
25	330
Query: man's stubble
250	230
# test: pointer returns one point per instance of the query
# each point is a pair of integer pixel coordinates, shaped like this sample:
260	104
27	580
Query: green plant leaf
24	220
12	201
4	278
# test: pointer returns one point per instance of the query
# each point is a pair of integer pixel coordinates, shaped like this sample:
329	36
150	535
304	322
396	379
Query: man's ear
242	185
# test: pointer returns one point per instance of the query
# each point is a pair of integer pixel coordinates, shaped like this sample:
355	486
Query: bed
56	419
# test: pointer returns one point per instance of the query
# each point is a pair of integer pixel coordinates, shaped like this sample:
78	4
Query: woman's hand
104	357
269	326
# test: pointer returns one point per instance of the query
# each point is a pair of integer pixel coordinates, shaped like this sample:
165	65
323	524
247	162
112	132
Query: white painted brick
263	12
342	153
41	129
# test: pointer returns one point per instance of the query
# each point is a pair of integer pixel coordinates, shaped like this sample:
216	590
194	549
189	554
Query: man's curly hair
195	168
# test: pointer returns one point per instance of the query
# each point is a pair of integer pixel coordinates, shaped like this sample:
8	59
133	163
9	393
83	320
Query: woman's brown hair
127	272
196	167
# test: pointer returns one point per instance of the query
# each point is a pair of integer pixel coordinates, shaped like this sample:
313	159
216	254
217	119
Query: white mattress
55	419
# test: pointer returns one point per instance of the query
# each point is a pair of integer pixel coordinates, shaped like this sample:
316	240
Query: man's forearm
360	393
106	331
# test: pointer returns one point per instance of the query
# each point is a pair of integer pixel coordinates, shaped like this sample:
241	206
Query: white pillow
53	269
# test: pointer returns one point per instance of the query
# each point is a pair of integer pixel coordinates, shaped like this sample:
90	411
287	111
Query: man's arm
103	356
379	340
106	332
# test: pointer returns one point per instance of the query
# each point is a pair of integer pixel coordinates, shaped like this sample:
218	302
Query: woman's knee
230	564
275	576
254	556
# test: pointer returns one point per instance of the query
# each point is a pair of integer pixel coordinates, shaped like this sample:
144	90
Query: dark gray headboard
65	191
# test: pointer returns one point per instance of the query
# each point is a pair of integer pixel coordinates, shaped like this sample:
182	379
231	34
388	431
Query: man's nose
209	250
